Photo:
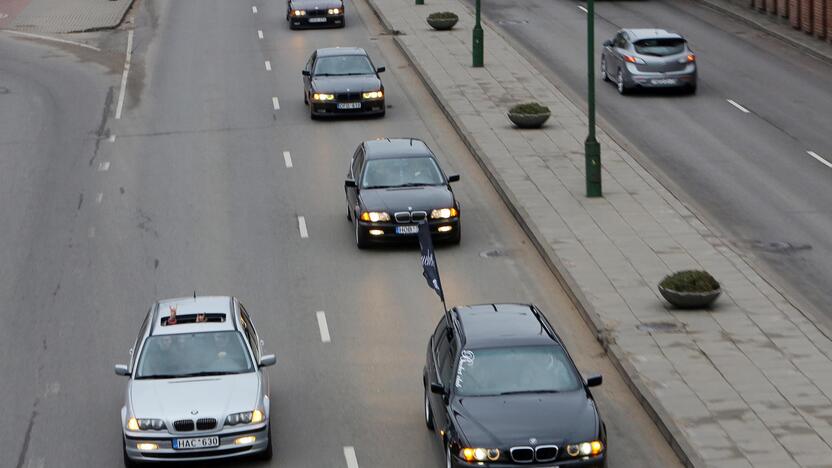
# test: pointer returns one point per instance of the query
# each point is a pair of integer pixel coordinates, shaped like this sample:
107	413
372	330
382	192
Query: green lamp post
592	149
478	38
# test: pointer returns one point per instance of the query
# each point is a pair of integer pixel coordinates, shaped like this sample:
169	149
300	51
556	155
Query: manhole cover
778	246
658	327
513	22
493	253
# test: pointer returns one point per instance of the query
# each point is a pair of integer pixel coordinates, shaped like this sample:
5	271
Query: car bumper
639	79
368	107
304	21
388	230
589	462
227	448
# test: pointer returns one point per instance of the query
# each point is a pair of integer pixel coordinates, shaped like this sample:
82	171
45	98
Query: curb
655	410
809	50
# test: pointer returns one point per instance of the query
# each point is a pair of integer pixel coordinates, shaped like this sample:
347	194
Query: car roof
501	325
336	51
219	310
384	148
647	33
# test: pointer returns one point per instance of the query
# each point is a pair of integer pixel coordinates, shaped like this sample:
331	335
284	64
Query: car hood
346	84
216	397
505	421
423	198
312	4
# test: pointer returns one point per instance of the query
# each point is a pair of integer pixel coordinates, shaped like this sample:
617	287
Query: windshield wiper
208	373
414	184
158	376
521	392
379	186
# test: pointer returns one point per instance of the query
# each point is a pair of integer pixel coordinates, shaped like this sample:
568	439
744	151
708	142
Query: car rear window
193	354
521	369
660	47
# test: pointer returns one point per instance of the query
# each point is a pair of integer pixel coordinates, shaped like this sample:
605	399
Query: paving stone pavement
748	383
65	16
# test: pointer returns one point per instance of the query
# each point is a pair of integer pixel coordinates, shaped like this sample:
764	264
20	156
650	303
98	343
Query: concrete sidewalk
66	16
748	383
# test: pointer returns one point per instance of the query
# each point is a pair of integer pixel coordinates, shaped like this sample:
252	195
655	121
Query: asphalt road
748	173
190	191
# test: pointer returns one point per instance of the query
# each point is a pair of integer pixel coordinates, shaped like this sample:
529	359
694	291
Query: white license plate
666	81
407	229
349	105
317	20
196	443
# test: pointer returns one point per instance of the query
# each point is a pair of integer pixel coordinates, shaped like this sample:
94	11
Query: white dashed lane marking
738	106
127	58
268	66
287	158
819	158
275	103
349	454
104	166
302	227
582	9
322	326
260	34
112	139
254	10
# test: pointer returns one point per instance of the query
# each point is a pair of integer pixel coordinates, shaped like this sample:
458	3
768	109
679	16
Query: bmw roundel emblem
194	412
533	441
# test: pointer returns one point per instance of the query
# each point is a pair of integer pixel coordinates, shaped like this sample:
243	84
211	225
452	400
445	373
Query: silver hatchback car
197	387
648	58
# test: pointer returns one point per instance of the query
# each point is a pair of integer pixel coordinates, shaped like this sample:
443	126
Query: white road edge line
819	158
302	227
53	39
260	34
127	59
323	327
287	158
254	10
738	106
275	103
349	454
268	66
580	7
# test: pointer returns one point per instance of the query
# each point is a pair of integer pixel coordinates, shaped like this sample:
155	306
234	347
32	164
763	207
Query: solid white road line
302	227
260	34
254	10
322	326
268	66
99	197
349	454
582	9
819	158
287	158
53	39
127	59
104	166
275	103
735	104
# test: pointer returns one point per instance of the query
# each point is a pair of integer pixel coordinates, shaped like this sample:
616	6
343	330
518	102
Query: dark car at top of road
315	13
342	80
648	58
394	184
501	391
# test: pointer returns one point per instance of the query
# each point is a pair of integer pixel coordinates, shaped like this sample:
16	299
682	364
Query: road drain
658	327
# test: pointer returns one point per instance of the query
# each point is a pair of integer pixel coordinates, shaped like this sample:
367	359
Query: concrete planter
690	300
528	120
442	24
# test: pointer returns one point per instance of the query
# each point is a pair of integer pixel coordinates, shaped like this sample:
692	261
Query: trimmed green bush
532	108
443	15
690	281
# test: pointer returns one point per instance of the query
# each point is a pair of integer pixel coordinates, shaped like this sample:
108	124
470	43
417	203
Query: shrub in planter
442	20
529	115
690	289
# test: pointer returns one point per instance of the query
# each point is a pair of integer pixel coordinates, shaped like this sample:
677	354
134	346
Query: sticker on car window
466	358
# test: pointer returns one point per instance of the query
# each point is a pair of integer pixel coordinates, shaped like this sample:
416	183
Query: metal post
420	2
592	149
478	38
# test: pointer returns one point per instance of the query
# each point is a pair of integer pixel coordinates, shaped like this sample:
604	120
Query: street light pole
478	38
592	149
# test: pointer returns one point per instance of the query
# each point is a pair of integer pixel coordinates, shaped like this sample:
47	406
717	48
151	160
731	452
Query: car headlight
375	216
479	454
144	424
323	97
443	213
373	95
298	12
334	11
246	417
585	449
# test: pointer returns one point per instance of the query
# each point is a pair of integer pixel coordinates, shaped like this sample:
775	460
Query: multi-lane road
201	185
752	149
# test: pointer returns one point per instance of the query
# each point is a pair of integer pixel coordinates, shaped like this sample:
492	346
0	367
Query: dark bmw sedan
502	391
342	80
315	13
392	185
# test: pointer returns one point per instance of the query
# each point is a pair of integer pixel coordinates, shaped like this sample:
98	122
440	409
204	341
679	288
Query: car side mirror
437	388
594	380
305	73
268	360
608	43
349	183
122	370
381	69
453	178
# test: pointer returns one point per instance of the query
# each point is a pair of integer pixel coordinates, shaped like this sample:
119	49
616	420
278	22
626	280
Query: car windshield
193	354
343	65
515	370
660	47
401	172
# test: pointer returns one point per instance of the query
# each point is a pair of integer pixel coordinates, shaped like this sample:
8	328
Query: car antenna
194	294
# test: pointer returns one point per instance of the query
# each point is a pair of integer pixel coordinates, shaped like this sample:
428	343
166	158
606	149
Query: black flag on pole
430	270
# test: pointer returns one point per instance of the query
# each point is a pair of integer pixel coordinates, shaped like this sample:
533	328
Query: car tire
691	89
456	238
449	462
267	454
361	239
349	213
604	75
305	98
428	412
622	88
312	113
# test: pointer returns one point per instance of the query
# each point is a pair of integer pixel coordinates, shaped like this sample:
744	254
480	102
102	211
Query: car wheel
312	113
622	88
349	213
448	460
267	454
428	412
691	89
305	98
456	238
604	75
361	240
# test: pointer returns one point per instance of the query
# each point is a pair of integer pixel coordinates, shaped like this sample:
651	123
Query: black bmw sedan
501	391
315	13
342	80
392	185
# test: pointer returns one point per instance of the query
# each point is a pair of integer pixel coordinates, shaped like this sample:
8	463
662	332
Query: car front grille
183	425
410	216
522	454
540	454
204	424
348	97
545	453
